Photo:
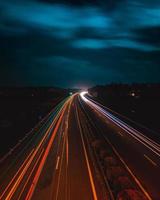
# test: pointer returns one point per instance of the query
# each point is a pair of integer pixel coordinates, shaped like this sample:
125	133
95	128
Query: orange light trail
30	174
37	175
16	175
27	163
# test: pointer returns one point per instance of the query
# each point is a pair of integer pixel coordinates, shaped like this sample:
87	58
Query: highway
72	154
139	153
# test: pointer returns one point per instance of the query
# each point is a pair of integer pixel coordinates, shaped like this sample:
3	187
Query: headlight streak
149	143
82	94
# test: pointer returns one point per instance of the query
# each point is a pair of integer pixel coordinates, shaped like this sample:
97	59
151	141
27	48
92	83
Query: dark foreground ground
21	109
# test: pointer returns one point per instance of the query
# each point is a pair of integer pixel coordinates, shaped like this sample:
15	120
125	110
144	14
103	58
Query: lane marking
150	160
87	161
30	132
57	164
67	149
119	133
63	134
149	143
61	159
22	174
129	170
64	147
40	168
60	168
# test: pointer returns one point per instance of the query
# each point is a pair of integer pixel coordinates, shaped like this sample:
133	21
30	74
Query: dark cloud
66	43
108	5
149	35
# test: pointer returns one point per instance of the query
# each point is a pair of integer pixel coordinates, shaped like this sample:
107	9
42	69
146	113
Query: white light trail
82	94
149	143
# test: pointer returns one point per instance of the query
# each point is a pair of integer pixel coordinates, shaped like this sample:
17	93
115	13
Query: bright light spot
82	94
133	94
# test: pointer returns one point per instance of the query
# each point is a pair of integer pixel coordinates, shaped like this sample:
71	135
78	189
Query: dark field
21	109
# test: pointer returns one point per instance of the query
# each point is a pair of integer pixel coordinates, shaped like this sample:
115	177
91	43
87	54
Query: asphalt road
140	154
59	160
71	175
51	162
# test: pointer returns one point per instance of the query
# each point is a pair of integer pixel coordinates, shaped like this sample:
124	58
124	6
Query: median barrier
122	183
110	161
130	194
114	172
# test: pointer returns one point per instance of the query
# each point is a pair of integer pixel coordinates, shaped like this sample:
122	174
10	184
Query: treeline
32	92
126	90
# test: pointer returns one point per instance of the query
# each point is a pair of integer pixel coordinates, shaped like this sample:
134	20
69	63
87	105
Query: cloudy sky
79	43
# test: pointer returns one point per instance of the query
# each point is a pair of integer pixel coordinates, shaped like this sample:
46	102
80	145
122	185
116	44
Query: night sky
79	43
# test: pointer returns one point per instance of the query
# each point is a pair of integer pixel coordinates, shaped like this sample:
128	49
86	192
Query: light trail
36	138
111	117
57	164
24	163
46	153
19	197
82	94
48	117
87	159
150	160
146	141
32	158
